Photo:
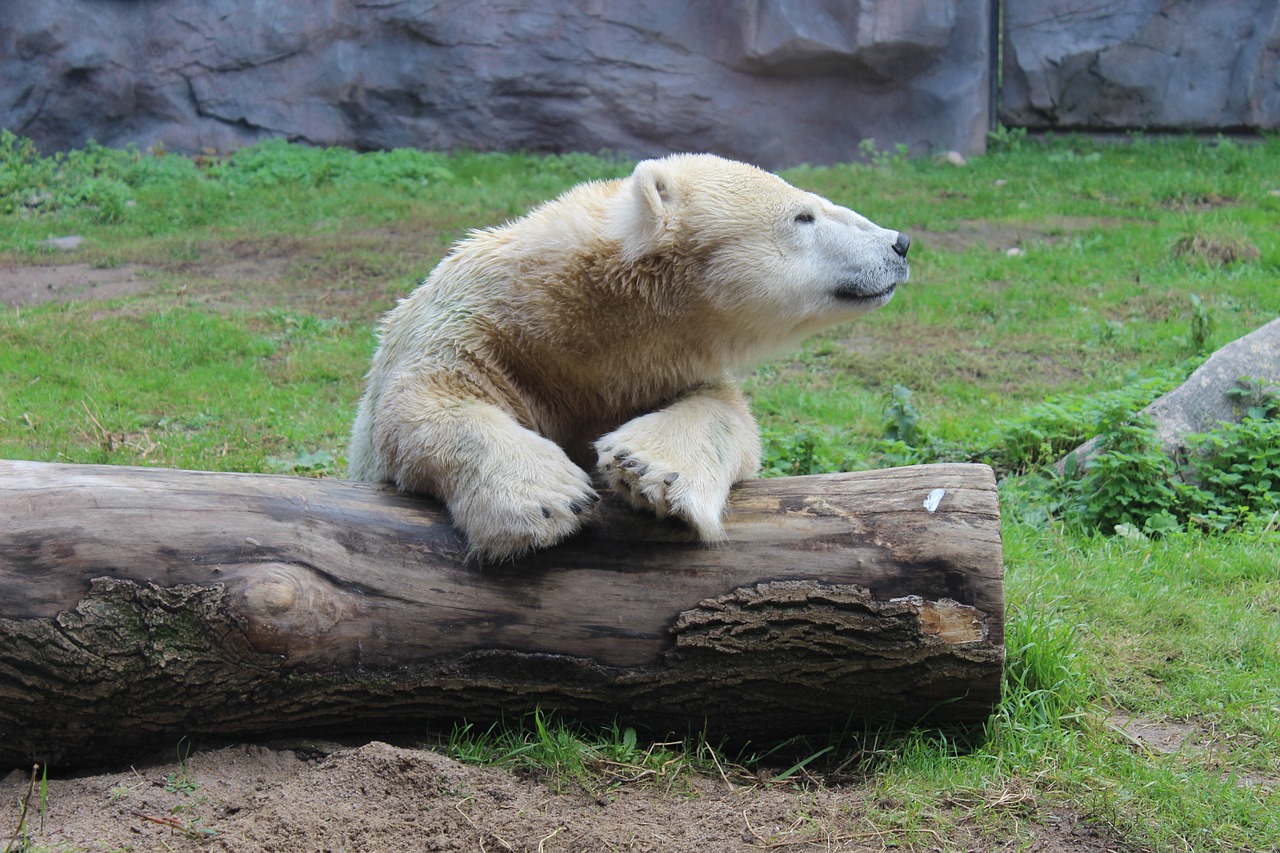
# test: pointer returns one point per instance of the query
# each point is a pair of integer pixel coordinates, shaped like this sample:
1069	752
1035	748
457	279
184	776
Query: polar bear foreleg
507	488
683	459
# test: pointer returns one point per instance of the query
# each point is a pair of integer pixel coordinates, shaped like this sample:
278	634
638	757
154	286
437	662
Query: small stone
1001	182
65	244
1014	252
955	158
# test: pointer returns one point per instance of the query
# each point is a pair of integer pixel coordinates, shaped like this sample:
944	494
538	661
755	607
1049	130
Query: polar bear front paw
655	482
523	508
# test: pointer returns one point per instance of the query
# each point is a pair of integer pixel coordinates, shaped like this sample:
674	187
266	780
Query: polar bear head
779	259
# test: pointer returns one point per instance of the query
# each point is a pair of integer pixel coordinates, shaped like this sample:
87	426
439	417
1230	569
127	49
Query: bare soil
379	798
355	275
34	285
384	798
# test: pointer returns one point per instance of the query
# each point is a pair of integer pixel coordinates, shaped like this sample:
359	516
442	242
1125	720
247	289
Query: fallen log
141	605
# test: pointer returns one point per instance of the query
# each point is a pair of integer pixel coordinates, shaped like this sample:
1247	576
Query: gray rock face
1160	64
769	81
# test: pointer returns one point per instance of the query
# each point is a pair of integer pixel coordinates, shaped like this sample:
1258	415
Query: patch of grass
570	755
184	388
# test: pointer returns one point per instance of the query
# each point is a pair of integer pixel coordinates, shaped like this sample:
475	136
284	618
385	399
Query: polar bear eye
805	218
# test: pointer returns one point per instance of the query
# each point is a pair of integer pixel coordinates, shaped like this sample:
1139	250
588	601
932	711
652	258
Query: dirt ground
36	285
385	798
317	274
379	798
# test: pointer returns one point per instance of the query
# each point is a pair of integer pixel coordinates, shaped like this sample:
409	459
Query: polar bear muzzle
869	288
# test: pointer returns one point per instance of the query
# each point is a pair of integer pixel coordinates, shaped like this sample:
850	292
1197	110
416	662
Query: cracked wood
140	605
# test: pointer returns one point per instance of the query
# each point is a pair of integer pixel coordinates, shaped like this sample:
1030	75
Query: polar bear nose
902	244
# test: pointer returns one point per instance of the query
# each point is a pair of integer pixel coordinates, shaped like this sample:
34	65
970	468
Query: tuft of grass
1217	247
570	755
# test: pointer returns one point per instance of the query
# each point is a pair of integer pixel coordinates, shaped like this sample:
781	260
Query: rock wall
1158	64
777	82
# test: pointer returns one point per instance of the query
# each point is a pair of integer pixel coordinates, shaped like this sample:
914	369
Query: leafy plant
1003	139
1228	475
277	163
1201	325
1128	482
807	451
1233	473
87	178
1258	399
882	159
901	418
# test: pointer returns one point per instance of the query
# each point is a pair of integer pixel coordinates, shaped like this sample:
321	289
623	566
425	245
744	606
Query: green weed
1228	477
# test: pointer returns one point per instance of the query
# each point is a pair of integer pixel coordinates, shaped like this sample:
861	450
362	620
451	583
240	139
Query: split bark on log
140	605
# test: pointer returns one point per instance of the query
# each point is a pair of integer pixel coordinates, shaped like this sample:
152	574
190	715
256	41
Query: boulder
1157	64
776	82
1203	401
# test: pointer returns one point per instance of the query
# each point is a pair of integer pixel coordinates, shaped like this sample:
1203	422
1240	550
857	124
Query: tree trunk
139	605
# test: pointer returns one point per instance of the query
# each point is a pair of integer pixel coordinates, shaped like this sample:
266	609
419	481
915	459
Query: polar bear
604	330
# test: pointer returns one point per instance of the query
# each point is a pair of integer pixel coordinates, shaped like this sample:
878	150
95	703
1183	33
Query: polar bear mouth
871	287
859	293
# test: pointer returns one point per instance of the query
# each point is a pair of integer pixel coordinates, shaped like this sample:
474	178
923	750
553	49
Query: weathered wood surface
140	605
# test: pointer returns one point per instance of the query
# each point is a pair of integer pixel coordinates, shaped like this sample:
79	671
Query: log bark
141	605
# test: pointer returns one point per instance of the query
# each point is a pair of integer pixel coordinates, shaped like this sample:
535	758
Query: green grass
1136	260
180	388
594	760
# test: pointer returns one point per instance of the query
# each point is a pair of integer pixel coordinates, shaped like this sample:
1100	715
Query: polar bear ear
641	215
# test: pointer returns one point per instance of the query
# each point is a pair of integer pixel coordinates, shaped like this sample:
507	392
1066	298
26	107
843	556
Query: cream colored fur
603	330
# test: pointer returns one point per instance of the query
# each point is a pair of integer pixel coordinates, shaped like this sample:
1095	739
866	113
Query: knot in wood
272	596
286	606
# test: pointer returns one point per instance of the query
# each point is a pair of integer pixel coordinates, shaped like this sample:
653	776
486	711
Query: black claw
622	454
608	449
576	508
546	513
671	478
593	498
